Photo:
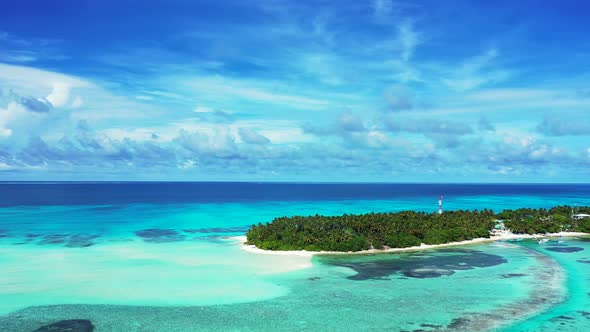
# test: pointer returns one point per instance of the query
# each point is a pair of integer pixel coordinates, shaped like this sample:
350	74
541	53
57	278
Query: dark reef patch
427	272
585	314
565	249
458	323
157	235
513	275
70	325
70	241
583	260
314	278
81	240
53	239
432	326
428	267
562	317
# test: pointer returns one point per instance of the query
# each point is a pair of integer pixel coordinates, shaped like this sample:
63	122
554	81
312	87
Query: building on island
579	216
499	227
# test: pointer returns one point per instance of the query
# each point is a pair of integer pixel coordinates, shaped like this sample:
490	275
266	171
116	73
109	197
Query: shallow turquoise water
327	297
65	262
573	314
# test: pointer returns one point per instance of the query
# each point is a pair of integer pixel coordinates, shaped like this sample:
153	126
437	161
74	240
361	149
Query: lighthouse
440	204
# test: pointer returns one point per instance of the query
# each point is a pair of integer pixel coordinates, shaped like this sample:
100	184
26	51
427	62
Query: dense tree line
404	229
360	232
556	219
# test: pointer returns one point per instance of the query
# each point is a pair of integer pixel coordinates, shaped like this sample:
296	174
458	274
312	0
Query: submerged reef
428	267
70	325
68	240
158	235
564	249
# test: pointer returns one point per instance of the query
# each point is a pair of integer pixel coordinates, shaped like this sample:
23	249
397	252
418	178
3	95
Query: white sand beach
303	253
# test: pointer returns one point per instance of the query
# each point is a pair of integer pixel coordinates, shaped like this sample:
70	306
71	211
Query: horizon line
283	182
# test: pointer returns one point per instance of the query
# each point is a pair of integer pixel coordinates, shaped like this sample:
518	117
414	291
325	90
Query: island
408	229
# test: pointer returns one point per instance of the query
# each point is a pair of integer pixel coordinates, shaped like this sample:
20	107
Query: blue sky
395	91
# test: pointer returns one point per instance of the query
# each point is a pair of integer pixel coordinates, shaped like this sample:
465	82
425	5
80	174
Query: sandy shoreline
304	253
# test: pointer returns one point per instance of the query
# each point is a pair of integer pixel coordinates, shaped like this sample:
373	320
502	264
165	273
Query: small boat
541	241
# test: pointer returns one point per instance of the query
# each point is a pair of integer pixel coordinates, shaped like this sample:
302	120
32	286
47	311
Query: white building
580	216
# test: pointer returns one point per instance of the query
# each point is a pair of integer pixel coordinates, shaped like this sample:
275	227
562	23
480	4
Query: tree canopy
356	232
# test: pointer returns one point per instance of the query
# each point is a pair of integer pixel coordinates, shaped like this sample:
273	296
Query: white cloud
409	39
520	140
18	122
475	72
539	152
99	103
32	80
252	137
59	95
203	109
382	8
222	87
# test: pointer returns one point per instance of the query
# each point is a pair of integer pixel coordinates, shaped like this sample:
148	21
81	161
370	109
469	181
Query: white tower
440	204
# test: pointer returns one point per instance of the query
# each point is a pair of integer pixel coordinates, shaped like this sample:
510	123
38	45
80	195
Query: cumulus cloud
443	133
37	105
24	116
427	126
220	143
218	152
552	126
87	148
251	137
346	122
60	94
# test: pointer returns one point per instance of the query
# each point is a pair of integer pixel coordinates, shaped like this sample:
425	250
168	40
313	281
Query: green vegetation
404	229
360	232
534	221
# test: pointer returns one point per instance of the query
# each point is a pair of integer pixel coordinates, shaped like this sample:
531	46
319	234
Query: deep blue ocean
116	193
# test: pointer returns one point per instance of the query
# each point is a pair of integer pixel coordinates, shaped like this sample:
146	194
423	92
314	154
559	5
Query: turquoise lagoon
145	266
